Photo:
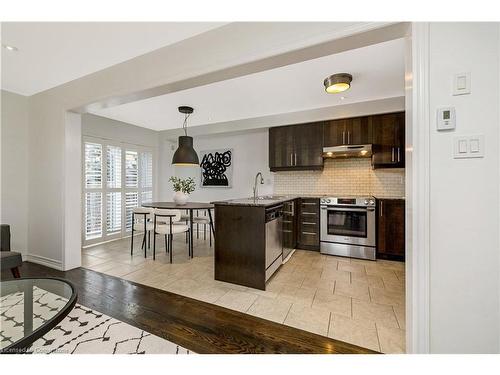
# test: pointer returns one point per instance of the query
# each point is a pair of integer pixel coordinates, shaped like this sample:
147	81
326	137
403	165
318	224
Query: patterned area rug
83	331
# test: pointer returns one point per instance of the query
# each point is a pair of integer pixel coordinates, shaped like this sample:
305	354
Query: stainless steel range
348	227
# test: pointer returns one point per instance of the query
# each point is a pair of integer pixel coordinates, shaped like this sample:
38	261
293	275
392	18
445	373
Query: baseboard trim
44	261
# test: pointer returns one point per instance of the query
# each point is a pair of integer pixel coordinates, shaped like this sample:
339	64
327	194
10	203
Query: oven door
348	225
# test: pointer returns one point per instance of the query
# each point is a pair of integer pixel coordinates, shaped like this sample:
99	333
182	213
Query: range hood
348	151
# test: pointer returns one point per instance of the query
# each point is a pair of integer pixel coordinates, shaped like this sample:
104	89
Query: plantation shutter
131	169
93	165
114	167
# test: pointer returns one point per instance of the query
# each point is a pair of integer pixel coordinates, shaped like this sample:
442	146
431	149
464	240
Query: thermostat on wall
446	118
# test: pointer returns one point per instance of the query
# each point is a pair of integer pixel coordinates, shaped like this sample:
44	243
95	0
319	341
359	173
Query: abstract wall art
217	168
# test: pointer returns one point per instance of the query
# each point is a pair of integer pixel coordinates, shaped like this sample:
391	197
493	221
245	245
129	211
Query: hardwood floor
198	326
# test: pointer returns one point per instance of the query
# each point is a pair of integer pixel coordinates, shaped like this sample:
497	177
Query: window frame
104	189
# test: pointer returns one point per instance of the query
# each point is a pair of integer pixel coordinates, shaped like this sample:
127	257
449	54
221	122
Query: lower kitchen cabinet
289	227
391	229
308	224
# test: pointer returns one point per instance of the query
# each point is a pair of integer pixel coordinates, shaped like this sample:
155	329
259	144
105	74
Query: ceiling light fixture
185	155
337	83
10	48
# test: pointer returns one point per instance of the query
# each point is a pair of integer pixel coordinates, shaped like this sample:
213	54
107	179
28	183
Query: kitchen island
248	249
251	238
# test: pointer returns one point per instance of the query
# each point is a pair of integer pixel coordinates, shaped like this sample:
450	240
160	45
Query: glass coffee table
31	307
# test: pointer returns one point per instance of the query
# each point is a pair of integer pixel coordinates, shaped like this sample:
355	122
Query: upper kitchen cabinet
351	131
296	147
389	140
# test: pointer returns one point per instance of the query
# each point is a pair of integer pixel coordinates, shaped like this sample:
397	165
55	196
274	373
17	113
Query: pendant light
337	83
185	155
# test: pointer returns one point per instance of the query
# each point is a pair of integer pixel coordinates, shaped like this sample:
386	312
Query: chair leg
166	244
154	244
191	247
15	272
132	242
171	246
210	236
144	244
149	240
204	232
197	230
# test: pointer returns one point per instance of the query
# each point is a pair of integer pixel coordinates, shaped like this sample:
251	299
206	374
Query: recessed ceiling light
10	48
337	83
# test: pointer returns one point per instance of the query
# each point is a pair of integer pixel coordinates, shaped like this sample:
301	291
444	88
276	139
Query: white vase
180	198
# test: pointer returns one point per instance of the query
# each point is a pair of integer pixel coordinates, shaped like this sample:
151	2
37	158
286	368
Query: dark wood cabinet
300	147
308	224
389	140
351	131
296	147
290	215
391	229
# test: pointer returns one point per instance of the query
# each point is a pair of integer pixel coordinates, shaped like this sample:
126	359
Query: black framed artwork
217	168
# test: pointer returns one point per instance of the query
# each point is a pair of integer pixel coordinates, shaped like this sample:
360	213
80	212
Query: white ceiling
378	72
52	53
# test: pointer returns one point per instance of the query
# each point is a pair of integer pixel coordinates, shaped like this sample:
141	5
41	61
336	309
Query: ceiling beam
364	36
371	107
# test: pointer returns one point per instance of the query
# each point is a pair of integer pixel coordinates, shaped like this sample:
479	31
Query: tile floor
357	301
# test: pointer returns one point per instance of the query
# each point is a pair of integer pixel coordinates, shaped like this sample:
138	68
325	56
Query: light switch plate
461	84
468	146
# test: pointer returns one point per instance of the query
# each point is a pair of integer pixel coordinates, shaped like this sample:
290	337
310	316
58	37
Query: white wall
464	194
250	156
14	174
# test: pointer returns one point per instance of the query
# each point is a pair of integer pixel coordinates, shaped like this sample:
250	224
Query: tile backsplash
343	177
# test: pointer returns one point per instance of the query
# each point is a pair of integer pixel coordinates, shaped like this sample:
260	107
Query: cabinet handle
291	161
309	204
399	157
392	154
295	154
343	138
309	233
308	223
381	208
309	213
348	138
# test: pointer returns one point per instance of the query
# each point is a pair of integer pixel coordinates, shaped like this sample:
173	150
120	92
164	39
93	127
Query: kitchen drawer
309	206
309	238
309	221
309	224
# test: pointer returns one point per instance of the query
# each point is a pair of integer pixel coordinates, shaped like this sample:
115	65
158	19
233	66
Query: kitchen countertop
263	201
272	200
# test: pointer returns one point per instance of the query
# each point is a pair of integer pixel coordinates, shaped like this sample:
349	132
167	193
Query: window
131	169
93	215
114	212
93	165
114	167
117	178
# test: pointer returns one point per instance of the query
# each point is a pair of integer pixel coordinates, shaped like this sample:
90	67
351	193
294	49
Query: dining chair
141	222
167	222
205	221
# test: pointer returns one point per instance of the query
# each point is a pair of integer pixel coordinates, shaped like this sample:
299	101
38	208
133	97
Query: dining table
190	207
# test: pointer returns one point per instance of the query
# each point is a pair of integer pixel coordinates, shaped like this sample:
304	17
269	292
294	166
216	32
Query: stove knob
372	202
328	200
323	201
367	202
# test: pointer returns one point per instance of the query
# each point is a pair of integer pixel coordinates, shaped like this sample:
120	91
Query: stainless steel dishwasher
274	239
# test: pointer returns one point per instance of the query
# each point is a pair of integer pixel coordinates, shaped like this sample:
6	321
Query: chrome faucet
255	190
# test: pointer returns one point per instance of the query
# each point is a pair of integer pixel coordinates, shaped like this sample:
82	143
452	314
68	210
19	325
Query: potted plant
182	188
